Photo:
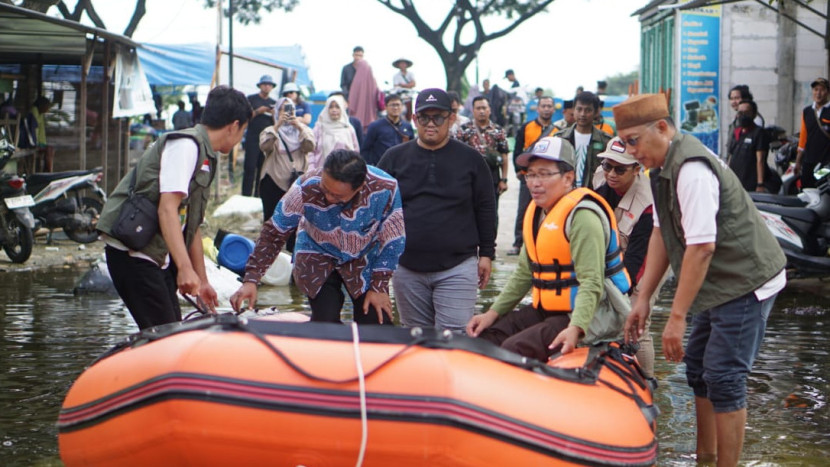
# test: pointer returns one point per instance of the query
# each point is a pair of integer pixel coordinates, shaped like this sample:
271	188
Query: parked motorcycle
16	221
801	224
71	201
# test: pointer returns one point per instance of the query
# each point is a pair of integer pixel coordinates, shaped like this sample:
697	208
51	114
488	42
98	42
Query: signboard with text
700	74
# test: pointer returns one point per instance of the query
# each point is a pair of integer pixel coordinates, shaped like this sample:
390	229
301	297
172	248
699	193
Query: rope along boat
222	390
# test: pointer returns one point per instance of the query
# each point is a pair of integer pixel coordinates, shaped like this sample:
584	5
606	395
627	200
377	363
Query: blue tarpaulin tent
193	64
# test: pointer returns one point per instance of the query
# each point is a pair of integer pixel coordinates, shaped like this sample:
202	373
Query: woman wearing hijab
287	146
332	131
364	94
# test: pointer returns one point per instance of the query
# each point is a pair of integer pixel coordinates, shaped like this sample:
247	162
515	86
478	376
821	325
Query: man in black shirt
450	213
263	118
347	74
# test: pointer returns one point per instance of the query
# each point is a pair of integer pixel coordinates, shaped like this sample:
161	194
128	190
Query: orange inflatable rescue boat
228	391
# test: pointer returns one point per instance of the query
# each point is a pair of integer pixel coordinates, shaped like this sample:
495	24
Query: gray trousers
444	299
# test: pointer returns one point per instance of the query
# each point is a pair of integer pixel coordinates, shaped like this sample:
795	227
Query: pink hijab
363	94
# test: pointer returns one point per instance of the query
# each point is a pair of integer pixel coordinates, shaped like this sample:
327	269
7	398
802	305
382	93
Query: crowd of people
600	219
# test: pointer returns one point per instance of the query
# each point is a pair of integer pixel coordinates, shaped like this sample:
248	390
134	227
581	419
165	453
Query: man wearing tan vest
729	270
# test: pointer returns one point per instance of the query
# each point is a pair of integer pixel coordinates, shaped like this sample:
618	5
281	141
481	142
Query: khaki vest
147	184
746	254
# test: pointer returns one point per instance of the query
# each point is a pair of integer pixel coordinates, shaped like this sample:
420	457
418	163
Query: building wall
775	57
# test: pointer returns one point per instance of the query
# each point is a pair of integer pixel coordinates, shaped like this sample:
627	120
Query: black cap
820	81
567	104
432	98
508	73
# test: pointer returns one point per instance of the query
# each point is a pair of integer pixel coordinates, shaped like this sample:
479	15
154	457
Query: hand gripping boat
227	391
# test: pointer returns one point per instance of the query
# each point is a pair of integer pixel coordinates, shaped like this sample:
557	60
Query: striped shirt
362	239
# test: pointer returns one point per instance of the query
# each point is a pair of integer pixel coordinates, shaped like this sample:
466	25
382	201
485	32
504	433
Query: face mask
744	121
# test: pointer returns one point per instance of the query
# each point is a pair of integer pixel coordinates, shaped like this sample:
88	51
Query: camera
288	108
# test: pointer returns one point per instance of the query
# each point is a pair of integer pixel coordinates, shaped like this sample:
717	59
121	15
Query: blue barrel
234	252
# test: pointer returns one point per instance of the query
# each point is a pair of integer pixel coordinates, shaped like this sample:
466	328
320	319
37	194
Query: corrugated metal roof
27	36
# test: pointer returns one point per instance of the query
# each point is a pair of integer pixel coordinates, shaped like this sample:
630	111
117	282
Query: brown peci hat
639	110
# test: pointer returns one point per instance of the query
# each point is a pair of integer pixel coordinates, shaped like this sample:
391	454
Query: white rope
361	380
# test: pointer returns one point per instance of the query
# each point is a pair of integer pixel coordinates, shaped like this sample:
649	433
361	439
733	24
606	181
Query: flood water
48	336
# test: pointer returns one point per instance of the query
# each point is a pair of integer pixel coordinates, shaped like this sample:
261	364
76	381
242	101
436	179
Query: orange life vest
554	280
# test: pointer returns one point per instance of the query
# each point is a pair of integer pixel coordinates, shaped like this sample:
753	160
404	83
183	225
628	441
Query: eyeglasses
541	176
636	140
437	119
618	169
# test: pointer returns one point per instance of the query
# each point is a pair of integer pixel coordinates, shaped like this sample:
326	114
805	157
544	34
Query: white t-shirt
698	193
581	142
398	80
178	163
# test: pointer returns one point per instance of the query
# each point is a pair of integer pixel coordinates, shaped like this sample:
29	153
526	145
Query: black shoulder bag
138	220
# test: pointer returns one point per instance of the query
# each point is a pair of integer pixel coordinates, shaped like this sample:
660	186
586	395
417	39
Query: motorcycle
801	224
16	221
71	201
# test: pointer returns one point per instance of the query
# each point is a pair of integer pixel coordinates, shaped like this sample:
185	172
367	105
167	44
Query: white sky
575	42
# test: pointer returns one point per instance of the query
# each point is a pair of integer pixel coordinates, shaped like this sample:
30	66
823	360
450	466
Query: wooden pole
105	115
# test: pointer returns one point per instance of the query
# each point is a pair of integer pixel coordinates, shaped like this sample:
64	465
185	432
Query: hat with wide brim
405	60
552	148
266	79
615	150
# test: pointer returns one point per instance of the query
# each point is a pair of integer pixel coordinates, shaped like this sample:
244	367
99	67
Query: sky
573	43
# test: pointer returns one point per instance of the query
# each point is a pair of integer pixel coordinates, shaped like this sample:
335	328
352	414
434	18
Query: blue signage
700	74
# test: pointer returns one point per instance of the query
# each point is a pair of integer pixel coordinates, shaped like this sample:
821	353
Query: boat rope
242	325
361	380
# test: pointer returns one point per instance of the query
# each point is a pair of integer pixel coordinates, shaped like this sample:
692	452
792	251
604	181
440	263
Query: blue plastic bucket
234	252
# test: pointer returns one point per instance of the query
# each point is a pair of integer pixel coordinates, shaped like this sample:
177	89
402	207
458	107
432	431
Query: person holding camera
286	145
332	131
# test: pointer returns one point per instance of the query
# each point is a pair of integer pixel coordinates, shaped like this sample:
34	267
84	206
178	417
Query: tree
82	6
462	19
618	84
457	39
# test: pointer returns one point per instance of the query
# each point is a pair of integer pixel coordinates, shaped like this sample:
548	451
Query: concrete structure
776	49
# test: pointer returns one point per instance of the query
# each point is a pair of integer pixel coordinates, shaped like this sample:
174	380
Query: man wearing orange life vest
568	235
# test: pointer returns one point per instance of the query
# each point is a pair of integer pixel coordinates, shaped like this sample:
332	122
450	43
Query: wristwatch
504	180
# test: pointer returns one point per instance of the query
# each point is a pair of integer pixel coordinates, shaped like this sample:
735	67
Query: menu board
700	74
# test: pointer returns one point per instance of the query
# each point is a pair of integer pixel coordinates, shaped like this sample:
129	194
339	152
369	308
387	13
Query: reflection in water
48	336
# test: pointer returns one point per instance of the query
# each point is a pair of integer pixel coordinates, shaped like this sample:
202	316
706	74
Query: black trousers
527	331
148	291
251	170
270	194
329	301
524	201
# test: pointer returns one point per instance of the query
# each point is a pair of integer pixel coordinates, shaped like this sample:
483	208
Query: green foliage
618	84
248	11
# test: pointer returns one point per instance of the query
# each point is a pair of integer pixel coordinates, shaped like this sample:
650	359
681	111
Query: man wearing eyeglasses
526	137
626	188
728	265
570	256
587	140
350	233
384	133
450	212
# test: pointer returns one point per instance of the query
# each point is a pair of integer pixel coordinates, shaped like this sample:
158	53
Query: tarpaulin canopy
193	64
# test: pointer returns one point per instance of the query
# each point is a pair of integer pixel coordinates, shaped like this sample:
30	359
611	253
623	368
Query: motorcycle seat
48	177
781	200
801	214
